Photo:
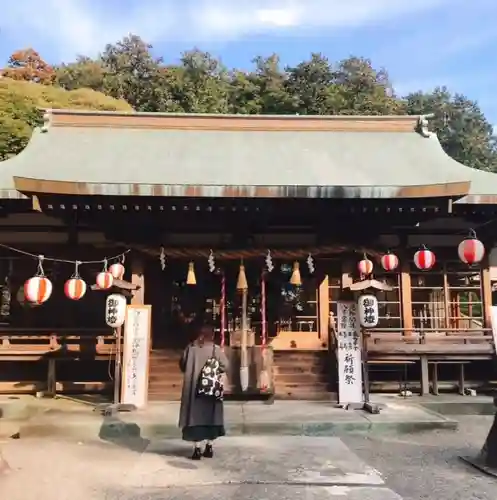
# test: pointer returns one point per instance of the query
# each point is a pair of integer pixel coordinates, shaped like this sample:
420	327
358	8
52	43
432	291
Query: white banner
349	354
136	355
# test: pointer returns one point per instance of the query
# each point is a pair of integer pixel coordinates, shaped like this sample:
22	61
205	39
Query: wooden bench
54	347
402	363
442	346
434	374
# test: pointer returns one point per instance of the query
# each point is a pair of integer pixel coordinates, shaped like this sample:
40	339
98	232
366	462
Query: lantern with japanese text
367	308
38	289
389	262
365	266
75	288
115	310
117	270
424	259
104	280
471	250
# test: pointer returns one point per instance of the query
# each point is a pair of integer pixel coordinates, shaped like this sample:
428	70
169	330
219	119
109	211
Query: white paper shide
136	356
349	354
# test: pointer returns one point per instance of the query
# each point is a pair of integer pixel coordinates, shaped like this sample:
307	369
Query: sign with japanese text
136	355
349	354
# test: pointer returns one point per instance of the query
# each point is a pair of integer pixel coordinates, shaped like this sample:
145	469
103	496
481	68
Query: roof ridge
82	112
234	122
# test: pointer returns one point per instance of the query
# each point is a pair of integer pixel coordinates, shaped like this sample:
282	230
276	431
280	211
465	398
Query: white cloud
71	27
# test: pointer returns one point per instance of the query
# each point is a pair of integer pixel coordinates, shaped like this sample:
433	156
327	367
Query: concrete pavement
259	467
64	417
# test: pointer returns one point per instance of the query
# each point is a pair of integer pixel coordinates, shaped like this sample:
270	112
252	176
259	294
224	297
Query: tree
464	132
365	90
270	80
131	72
21	104
27	65
83	73
313	89
205	83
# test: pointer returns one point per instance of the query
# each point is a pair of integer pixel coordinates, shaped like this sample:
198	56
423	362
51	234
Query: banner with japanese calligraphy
349	354
136	355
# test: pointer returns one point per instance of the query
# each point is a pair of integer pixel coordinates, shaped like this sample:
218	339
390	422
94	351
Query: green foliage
463	130
200	83
21	103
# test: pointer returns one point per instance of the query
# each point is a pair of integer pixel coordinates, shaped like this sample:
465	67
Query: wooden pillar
138	278
425	376
406	297
324	311
486	291
446	298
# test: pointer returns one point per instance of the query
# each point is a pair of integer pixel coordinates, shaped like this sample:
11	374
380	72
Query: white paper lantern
75	288
104	280
117	270
38	289
115	310
367	307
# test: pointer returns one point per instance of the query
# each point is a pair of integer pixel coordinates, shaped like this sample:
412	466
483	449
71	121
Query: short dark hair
204	334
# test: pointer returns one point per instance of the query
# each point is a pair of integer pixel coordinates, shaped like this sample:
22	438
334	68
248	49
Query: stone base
478	464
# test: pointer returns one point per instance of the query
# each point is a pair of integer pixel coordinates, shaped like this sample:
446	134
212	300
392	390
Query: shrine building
261	224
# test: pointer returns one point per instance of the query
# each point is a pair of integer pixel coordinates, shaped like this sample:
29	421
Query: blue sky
422	43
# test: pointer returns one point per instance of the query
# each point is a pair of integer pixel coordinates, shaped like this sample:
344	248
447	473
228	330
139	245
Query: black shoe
208	452
197	454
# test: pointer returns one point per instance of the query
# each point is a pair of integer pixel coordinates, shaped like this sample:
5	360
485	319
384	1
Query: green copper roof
136	161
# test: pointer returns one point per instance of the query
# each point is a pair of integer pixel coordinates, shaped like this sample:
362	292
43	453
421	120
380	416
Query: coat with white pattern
199	410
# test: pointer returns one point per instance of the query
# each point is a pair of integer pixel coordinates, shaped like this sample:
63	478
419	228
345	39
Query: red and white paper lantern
389	262
365	267
471	251
424	259
75	288
38	289
104	280
117	270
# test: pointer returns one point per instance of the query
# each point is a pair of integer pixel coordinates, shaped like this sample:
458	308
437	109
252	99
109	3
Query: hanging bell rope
241	283
295	278
190	277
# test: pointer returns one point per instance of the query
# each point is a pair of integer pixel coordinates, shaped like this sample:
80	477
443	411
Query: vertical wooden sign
349	354
136	355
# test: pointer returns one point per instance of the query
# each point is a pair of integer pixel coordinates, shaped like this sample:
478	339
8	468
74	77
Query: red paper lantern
389	262
471	250
424	259
365	266
117	270
104	280
37	289
75	288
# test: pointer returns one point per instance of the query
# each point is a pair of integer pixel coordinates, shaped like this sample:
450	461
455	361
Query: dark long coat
194	410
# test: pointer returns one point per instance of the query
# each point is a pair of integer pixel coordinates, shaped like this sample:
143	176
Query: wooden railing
430	341
39	343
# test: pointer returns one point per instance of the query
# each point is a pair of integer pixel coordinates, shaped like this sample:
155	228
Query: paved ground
65	418
367	467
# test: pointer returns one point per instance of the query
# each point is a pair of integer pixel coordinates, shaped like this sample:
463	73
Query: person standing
201	415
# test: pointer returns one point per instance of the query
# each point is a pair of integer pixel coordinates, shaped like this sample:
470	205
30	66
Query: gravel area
427	465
